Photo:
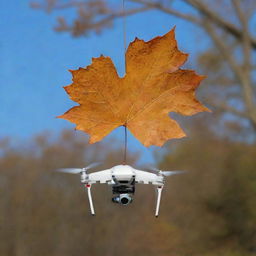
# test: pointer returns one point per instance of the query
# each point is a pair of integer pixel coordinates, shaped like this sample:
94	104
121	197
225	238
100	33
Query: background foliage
209	211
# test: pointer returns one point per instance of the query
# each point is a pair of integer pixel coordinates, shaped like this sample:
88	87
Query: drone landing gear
159	193
88	186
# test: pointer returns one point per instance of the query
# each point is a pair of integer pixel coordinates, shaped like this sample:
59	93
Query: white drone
122	178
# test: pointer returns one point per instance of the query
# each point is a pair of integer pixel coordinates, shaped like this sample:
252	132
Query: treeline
209	211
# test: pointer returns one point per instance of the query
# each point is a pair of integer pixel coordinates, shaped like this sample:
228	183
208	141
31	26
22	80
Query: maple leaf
153	87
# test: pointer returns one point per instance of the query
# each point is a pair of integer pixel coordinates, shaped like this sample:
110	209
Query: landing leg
88	186
159	193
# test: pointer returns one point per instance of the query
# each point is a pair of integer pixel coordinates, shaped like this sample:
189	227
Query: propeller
169	173
166	173
70	170
78	170
92	165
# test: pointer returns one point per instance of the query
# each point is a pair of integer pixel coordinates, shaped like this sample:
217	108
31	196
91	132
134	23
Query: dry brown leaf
152	87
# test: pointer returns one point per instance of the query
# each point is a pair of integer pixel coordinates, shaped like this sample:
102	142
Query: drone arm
159	193
90	198
147	178
101	176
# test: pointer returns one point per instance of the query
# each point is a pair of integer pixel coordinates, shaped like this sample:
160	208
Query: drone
122	179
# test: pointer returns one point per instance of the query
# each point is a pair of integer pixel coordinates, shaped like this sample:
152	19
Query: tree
228	63
45	212
213	205
208	211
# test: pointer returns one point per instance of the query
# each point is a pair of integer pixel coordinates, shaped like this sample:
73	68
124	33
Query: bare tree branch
222	48
245	35
230	28
198	5
237	70
205	11
170	11
246	74
53	5
96	25
69	5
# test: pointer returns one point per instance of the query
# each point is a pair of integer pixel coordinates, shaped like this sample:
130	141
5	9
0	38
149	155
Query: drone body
122	179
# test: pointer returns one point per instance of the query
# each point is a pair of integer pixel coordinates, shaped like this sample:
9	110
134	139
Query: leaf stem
125	144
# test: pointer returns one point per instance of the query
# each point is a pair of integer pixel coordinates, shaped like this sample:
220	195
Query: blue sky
35	60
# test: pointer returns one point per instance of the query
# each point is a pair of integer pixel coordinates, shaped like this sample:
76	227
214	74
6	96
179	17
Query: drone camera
123	199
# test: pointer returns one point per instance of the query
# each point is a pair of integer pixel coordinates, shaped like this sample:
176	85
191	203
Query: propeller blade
70	170
169	173
92	165
77	170
152	169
